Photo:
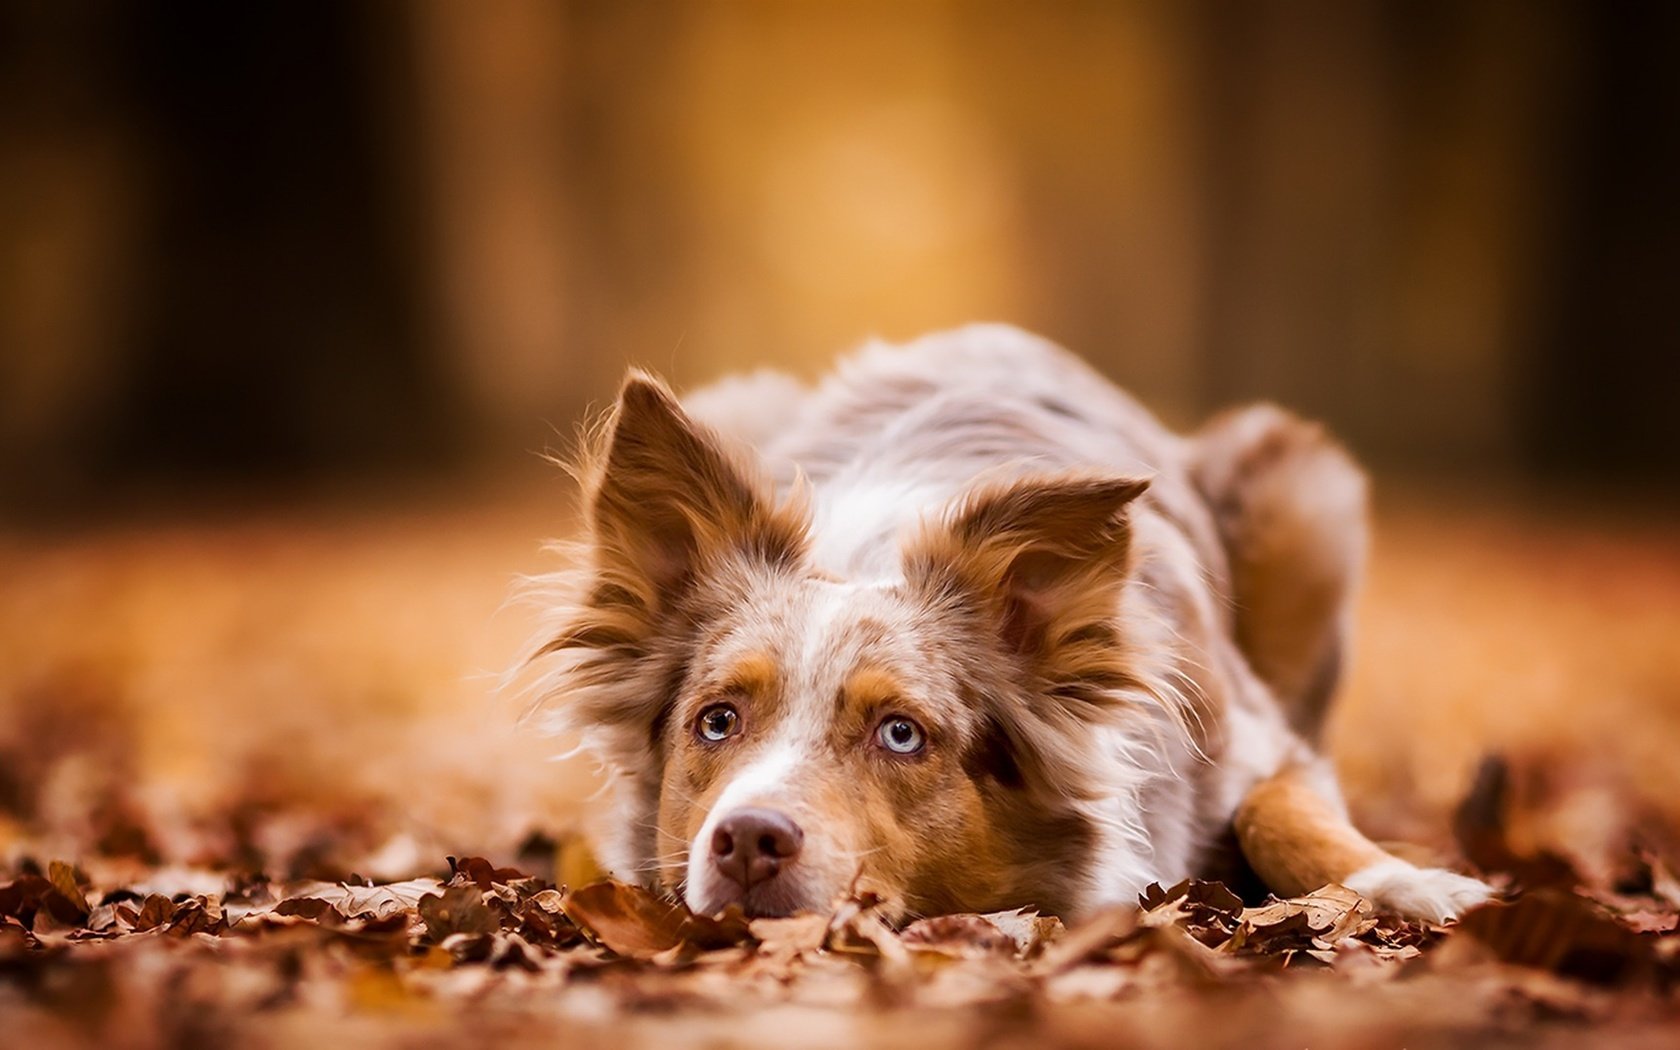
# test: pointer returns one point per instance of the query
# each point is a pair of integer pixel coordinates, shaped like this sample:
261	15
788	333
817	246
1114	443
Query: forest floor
256	789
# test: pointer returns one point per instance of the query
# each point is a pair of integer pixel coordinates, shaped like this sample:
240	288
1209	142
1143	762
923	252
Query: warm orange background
289	299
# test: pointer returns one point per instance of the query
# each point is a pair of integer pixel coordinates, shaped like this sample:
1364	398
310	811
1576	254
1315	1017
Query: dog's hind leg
1296	835
1291	511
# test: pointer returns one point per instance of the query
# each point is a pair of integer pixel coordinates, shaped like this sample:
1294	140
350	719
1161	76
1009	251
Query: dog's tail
1291	510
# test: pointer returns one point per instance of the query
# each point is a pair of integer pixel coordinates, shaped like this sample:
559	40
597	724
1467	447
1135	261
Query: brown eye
718	722
901	735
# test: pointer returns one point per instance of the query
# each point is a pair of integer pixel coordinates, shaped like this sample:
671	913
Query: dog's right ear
665	497
1046	556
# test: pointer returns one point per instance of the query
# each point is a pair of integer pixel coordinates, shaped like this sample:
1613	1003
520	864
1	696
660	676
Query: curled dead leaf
482	873
1208	910
1562	933
784	938
456	911
639	925
1101	931
959	935
68	882
27	896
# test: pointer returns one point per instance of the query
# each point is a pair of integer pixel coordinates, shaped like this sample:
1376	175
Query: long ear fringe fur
586	673
560	688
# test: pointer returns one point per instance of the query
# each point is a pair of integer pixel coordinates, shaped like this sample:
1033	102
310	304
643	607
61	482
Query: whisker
654	826
858	854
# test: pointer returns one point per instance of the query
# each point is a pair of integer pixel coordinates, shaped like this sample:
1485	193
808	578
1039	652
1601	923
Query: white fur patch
1432	894
756	782
827	607
853	520
766	775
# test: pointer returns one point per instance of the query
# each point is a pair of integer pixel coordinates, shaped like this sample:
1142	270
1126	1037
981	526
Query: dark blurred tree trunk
263	317
1606	402
1378	203
276	326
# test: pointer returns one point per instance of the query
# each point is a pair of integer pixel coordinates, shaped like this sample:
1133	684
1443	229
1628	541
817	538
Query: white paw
1431	894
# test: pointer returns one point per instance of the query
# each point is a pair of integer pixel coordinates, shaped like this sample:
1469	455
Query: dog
965	627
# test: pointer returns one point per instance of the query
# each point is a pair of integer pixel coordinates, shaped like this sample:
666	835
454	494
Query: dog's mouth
775	898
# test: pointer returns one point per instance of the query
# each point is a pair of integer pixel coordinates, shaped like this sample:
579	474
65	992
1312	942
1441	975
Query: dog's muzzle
752	845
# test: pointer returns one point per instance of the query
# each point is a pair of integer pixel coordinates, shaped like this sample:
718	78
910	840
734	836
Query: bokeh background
291	295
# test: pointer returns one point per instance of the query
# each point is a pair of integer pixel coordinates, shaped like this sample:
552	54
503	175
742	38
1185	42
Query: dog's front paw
1432	894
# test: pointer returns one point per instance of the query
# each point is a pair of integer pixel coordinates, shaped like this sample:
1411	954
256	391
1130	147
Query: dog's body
1005	641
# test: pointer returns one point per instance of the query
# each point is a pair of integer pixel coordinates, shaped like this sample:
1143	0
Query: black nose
751	845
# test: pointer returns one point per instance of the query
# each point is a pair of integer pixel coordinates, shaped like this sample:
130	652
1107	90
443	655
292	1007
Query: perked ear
1046	557
665	496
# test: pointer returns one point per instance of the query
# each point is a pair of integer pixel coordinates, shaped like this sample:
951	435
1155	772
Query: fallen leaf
1562	933
66	881
27	896
1331	913
959	935
1082	942
635	923
1029	930
377	901
1665	885
458	910
784	938
1209	910
482	873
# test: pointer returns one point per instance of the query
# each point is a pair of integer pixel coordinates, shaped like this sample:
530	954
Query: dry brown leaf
29	896
1209	910
1562	933
1331	913
966	936
155	911
457	911
377	901
482	873
1665	885
66	881
1082	942
636	924
1029	930
785	938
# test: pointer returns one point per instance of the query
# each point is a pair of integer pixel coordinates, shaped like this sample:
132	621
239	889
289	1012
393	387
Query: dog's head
781	735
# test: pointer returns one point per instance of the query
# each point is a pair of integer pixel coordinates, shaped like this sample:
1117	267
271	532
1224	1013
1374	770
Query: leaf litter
91	957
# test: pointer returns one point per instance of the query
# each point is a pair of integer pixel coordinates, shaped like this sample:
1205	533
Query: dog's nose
751	845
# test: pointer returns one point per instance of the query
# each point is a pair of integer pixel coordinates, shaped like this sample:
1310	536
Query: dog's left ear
666	497
1045	557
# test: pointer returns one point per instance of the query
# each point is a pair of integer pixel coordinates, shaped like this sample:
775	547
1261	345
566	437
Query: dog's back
1272	511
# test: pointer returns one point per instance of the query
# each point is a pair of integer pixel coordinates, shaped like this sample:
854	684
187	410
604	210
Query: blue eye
718	722
901	736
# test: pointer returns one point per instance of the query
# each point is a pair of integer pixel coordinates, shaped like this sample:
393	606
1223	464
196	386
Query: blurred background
290	294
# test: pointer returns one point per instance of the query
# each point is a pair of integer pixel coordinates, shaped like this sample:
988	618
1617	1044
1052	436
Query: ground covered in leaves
114	954
236	756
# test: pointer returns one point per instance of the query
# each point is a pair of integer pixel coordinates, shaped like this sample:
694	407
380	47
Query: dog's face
820	736
785	736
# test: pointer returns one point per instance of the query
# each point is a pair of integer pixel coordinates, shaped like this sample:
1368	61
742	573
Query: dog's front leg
1297	840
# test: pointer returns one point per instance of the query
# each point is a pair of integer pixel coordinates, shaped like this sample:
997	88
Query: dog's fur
1119	643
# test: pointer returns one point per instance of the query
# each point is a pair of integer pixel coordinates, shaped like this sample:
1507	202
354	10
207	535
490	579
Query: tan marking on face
871	686
753	675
